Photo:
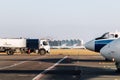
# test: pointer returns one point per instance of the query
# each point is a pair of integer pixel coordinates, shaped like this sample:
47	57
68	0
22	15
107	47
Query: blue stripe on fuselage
101	43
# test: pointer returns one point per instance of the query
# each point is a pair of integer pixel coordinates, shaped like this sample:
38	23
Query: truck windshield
45	43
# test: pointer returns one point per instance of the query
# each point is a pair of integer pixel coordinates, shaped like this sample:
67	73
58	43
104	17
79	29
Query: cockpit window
108	35
111	36
104	36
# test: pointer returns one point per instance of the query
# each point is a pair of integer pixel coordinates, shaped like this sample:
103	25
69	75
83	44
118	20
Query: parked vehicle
38	46
10	46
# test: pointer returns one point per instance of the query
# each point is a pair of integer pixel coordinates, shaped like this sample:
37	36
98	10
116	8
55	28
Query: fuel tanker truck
12	45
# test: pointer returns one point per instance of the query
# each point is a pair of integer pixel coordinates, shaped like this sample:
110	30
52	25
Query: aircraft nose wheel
117	66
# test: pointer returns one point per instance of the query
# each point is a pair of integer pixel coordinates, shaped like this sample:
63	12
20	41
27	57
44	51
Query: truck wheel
22	51
10	52
42	52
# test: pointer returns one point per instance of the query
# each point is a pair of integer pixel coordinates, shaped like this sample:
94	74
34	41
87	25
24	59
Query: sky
58	19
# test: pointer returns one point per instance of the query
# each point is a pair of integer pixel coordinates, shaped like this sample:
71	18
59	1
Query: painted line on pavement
19	63
39	76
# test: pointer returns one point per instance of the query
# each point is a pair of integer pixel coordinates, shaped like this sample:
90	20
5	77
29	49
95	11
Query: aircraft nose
106	52
90	45
111	50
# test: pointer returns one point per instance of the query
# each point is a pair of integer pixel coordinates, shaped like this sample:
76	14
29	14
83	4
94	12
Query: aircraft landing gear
117	66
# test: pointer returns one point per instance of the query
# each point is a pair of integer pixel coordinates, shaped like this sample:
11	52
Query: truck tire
22	51
10	52
42	52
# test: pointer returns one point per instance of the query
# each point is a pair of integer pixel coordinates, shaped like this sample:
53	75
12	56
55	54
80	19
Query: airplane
76	46
97	43
111	51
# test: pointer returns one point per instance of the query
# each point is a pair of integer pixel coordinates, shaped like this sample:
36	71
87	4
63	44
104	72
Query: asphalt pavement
56	67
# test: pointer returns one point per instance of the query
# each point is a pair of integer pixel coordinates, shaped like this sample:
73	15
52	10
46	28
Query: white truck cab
44	46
